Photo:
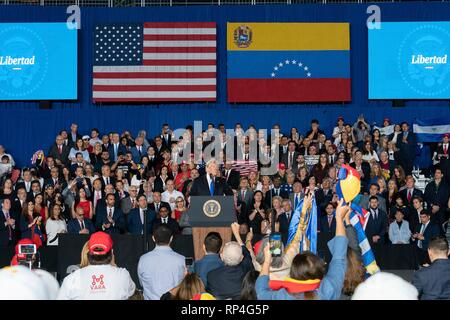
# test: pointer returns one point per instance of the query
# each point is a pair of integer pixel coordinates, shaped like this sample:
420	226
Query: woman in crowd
376	140
253	180
160	181
277	205
320	170
399	232
89	174
400	177
183	175
256	212
82	202
49	195
180	208
386	165
338	131
302	176
384	146
191	288
7	191
124	142
65	176
392	151
342	142
368	153
393	136
79	148
375	174
309	268
349	149
248	285
295	136
31	224
40	208
66	213
55	225
399	205
96	155
390	193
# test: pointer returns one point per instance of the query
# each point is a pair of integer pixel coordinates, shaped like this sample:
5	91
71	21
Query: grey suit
126	205
248	198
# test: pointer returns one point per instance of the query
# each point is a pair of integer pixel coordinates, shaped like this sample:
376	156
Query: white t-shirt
100	282
166	196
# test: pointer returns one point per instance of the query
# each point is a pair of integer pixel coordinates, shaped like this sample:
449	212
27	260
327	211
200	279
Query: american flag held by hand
155	62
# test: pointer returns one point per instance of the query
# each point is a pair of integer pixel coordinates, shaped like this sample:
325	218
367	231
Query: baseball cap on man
446	135
100	243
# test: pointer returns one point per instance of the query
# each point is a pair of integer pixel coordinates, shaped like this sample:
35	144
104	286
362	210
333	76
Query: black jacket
433	282
226	282
200	187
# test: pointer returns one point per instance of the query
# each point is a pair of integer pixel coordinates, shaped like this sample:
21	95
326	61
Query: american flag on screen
155	62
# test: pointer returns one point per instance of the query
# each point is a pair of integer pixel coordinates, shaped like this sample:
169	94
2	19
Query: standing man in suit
363	169
437	193
290	157
415	213
8	220
136	217
374	190
80	225
166	135
59	151
130	202
284	220
244	194
276	191
433	282
210	184
406	143
110	219
230	175
297	194
442	155
165	219
138	150
74	135
377	223
116	147
410	192
422	236
158	204
106	176
327	222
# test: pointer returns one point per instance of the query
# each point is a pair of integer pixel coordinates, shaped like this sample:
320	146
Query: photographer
361	129
126	164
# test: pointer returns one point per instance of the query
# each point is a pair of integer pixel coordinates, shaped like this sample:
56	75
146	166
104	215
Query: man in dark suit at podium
210	184
136	217
165	219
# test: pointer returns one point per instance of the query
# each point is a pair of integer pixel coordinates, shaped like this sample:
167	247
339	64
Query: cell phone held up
275	244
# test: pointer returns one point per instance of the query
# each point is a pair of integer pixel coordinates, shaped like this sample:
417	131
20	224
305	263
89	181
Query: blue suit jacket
135	154
120	149
73	226
118	217
135	226
433	282
206	264
324	226
432	230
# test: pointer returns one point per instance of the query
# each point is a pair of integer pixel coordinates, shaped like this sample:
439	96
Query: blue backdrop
24	128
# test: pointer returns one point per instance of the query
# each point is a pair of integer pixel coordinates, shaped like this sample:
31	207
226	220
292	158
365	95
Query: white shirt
53	227
166	196
102	282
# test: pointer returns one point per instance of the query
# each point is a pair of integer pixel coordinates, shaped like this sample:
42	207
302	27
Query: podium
210	214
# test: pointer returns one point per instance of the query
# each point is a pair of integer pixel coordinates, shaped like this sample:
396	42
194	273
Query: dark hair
418	198
140	196
376	185
424	212
315	121
248	291
162	235
373	198
213	242
307	266
98	259
439	244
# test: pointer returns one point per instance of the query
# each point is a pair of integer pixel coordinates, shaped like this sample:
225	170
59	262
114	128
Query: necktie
422	229
330	219
296	201
288	215
60	149
243	195
409	195
107	180
142	217
9	227
291	159
97	196
133	203
140	151
115	151
110	213
445	149
157	207
165	220
211	186
82	225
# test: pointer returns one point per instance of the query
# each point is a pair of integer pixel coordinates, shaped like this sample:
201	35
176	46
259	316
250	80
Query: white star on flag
273	74
287	61
309	74
276	68
280	64
294	61
300	64
306	68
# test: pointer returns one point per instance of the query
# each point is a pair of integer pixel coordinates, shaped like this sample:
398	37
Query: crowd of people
114	183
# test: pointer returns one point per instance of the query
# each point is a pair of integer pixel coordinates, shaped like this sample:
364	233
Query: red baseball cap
100	243
341	118
387	119
447	135
281	166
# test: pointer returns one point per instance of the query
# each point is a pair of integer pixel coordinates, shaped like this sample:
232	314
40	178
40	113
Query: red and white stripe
179	64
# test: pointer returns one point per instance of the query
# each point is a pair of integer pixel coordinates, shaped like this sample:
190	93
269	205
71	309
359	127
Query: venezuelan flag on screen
288	62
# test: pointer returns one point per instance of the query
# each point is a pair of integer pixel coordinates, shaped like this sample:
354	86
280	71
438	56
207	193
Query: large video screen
409	60
38	61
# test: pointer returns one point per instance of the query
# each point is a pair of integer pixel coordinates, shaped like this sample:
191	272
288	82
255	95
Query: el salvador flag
431	130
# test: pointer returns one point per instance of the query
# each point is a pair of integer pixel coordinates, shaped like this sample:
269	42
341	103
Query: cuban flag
431	130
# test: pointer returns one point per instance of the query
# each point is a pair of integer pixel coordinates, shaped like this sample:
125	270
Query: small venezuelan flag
288	62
